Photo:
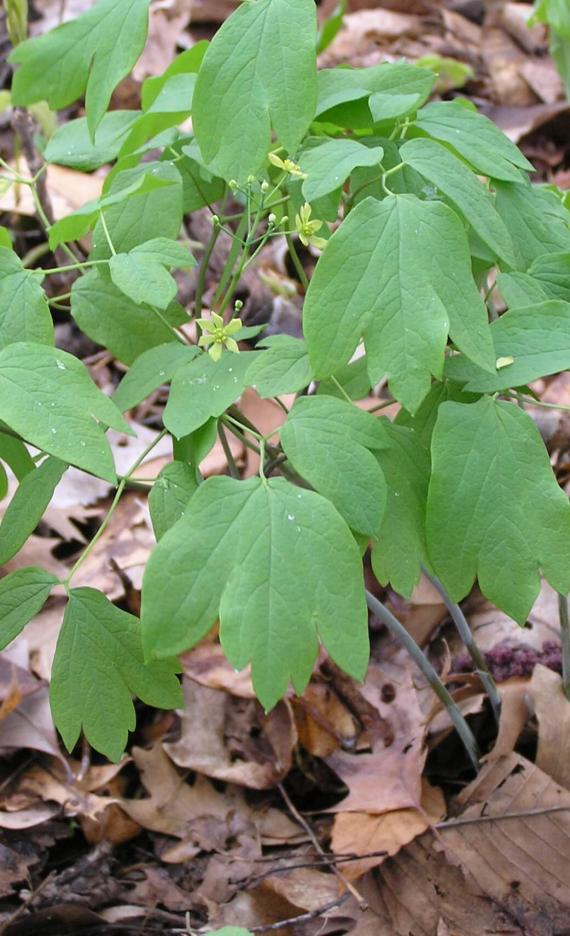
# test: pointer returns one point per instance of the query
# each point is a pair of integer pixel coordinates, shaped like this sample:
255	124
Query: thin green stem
530	401
233	469
295	259
420	659
204	269
387	174
78	265
565	640
106	233
244	428
240	435
473	650
57	299
114	504
341	389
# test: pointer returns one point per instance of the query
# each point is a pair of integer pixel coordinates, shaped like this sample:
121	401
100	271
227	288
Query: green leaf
474	137
199	186
155	212
261	61
124	327
520	289
536	341
24	312
400	550
187	62
205	388
232	931
75	225
22	595
4	483
283	368
5	239
194	447
352	378
86	56
467	195
552	273
392	273
398	555
328	442
15	454
172	105
328	165
494	509
71	144
536	219
98	666
142	273
389	90
280	567
27	506
151	370
331	26
48	397
170	495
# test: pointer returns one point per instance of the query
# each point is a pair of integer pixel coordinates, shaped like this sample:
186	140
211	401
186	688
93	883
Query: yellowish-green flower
287	165
307	229
217	336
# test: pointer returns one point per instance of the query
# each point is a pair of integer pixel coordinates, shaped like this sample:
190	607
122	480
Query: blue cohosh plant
421	214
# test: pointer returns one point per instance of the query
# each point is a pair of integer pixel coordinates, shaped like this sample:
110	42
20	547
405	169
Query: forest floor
353	809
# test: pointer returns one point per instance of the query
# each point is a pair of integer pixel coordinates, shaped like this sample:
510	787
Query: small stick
303	917
305	825
476	820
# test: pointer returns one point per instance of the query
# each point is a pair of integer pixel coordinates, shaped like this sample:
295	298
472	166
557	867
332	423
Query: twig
420	659
475	820
318	848
468	639
303	917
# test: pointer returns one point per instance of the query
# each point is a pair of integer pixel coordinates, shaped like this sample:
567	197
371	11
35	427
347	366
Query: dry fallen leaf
362	833
389	777
514	716
552	710
231	739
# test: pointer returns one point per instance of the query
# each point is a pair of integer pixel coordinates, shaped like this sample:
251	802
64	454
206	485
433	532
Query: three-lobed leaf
258	74
530	342
142	274
125	327
97	668
329	164
280	568
170	495
150	370
452	177
400	550
392	274
494	509
48	397
282	368
476	138
330	443
88	55
28	505
24	311
204	388
23	594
